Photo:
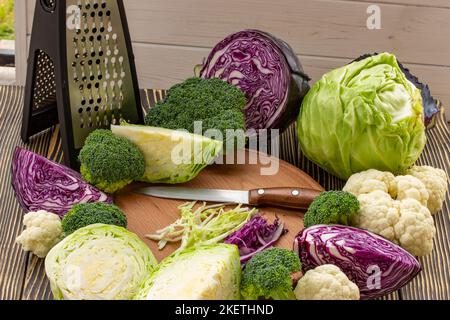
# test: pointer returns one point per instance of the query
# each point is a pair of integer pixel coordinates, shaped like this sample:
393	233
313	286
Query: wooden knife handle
294	198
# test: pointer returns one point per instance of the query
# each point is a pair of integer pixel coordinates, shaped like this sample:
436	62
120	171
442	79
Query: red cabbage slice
430	104
41	184
360	255
255	236
267	70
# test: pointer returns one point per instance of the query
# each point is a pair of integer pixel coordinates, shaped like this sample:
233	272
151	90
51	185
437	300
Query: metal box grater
81	71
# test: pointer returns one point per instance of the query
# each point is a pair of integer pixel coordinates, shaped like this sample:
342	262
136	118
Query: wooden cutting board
147	214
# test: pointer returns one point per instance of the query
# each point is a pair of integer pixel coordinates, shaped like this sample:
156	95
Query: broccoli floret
333	207
216	103
85	214
268	275
110	162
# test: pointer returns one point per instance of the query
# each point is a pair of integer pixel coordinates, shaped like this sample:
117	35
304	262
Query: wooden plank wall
171	36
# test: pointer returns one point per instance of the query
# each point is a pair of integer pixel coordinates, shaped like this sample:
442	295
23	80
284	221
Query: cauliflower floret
407	222
371	180
415	230
436	182
409	187
378	214
42	232
326	282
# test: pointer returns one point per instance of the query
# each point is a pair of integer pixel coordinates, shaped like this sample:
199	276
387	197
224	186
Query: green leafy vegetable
99	262
109	162
213	101
203	226
430	105
333	207
170	156
269	275
366	115
202	273
84	214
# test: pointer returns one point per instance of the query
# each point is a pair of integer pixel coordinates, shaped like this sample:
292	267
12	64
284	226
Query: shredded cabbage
202	226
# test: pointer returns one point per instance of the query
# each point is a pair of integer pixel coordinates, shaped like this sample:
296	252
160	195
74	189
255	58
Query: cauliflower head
409	187
42	232
415	230
405	222
326	282
436	182
371	180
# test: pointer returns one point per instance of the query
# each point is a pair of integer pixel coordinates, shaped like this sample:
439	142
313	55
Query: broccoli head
269	275
110	162
85	214
333	207
217	104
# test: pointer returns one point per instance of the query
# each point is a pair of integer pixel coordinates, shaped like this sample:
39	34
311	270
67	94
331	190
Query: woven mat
22	275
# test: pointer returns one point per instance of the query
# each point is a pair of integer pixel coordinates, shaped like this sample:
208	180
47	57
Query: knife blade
294	198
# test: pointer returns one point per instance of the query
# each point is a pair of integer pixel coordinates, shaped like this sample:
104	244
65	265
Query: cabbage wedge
99	262
210	272
171	156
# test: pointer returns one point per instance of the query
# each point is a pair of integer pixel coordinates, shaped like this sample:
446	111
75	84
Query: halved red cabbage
41	184
430	105
267	70
363	256
255	236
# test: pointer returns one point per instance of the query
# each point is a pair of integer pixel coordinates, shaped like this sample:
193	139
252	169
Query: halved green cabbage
99	262
366	115
204	273
171	156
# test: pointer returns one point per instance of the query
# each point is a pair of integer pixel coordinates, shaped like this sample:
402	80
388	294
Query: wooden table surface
22	275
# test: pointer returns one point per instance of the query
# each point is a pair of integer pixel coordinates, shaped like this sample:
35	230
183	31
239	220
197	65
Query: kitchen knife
294	198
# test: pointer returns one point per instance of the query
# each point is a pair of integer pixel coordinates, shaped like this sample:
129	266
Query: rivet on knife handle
294	198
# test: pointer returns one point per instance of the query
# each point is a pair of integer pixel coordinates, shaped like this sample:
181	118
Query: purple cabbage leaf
377	266
41	184
256	236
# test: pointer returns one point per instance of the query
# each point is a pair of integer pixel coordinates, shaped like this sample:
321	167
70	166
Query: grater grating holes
44	92
99	69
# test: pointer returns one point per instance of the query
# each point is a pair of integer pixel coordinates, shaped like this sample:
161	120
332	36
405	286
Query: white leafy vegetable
98	262
203	273
171	156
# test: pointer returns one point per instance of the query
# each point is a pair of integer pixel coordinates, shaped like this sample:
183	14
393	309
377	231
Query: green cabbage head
365	115
99	262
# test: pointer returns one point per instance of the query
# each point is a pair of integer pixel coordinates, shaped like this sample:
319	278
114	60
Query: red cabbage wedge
255	236
267	70
41	184
377	266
